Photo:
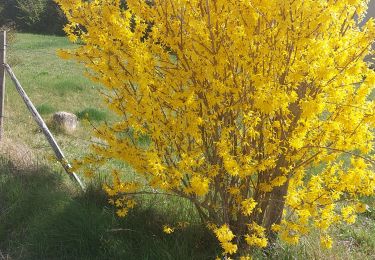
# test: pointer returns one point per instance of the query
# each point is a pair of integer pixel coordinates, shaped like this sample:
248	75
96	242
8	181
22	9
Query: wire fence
4	67
26	144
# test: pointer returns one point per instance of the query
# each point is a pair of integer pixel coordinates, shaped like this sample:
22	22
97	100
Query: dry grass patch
18	156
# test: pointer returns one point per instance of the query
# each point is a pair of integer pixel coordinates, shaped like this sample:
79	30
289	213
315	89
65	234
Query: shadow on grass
43	218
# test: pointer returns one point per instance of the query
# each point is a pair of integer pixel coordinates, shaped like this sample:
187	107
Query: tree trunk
275	209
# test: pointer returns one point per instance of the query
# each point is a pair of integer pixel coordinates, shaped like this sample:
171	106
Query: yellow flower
326	241
348	214
229	247
290	238
224	234
122	212
247	206
361	207
63	54
256	241
275	227
167	229
222	121
199	185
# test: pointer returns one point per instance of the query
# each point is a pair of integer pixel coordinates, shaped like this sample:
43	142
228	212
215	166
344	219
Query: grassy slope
43	216
53	85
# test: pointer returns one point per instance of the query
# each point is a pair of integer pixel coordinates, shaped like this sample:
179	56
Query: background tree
36	16
7	10
258	112
31	11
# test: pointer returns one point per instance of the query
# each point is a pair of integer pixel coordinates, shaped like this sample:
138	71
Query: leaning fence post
2	80
42	125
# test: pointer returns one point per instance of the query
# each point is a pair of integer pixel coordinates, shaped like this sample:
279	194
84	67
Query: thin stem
342	151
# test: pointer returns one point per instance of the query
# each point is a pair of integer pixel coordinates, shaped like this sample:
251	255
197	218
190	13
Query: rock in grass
64	121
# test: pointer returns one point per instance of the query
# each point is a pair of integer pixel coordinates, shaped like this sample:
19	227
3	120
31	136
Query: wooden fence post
2	80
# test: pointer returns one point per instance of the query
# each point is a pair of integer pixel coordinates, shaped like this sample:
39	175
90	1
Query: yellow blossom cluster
258	112
258	236
225	236
167	229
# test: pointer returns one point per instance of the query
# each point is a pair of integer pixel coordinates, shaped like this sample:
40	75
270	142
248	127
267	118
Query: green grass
44	217
53	85
45	109
92	114
66	87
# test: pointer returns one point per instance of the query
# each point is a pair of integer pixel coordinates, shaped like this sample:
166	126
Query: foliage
31	11
42	16
7	10
256	111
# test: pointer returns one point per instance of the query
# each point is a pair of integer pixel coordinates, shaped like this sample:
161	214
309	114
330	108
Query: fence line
38	119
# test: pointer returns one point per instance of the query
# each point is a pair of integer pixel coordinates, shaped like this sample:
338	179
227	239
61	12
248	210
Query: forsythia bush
258	112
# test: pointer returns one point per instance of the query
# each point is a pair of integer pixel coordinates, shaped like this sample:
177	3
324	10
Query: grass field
53	85
44	216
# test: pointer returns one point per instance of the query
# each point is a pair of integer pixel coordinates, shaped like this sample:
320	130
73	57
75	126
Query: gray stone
65	121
